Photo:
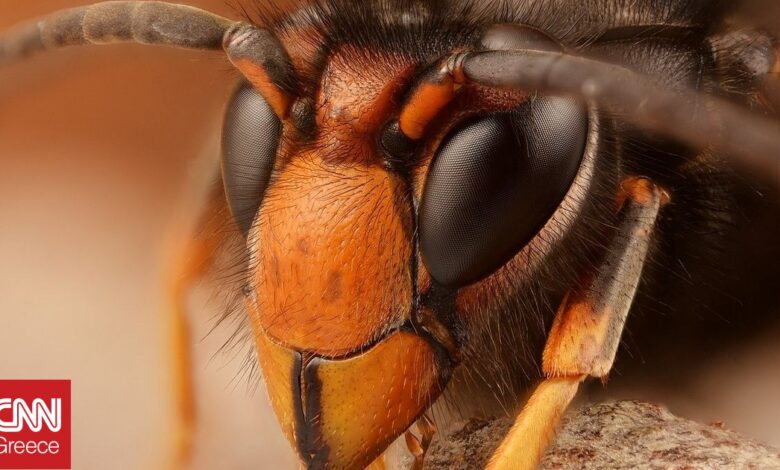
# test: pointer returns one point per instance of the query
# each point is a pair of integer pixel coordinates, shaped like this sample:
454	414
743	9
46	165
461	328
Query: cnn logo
35	416
35	424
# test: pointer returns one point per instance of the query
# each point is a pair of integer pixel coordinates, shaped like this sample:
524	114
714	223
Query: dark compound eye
250	139
494	183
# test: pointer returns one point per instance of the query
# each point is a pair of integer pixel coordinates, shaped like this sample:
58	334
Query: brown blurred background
98	147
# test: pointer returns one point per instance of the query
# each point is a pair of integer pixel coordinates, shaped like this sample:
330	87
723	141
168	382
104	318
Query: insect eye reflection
494	183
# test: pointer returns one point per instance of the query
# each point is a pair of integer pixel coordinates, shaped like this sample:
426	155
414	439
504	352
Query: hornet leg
587	328
194	255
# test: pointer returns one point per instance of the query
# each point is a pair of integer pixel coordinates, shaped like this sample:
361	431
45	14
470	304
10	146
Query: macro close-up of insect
428	211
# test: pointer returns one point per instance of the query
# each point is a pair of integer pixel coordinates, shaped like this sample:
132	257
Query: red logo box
34	424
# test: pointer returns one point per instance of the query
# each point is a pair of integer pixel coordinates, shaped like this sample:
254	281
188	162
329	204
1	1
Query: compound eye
250	139
494	183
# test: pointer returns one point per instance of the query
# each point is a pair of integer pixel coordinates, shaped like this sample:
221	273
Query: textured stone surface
615	435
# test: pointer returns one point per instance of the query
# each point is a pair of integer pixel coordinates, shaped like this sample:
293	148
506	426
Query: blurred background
98	148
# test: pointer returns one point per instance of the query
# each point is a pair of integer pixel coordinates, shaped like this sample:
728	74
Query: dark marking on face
313	445
297	372
333	290
303	245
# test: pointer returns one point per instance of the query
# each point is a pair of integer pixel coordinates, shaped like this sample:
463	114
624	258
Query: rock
614	435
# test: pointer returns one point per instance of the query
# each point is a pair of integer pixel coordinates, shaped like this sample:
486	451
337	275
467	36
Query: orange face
355	338
333	245
332	278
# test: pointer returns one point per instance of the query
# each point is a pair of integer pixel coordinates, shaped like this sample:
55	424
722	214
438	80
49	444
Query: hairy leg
587	329
194	256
